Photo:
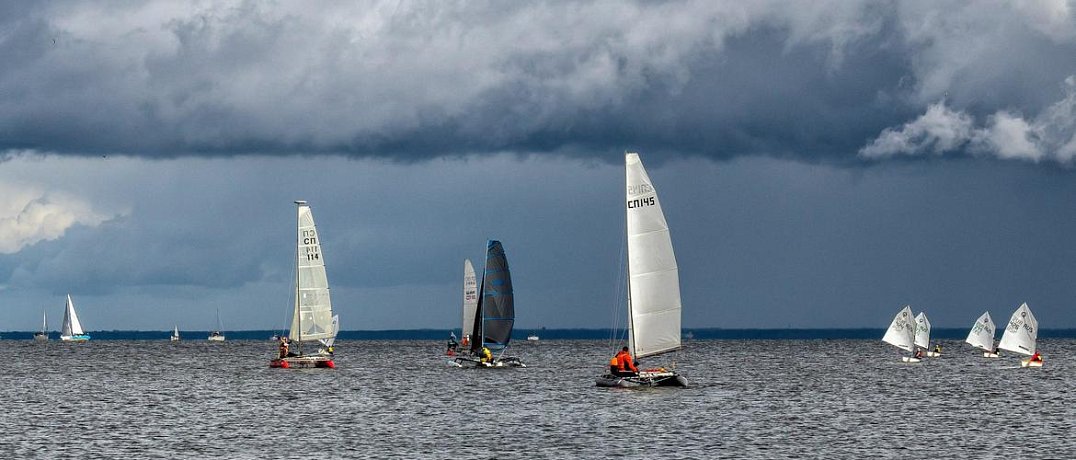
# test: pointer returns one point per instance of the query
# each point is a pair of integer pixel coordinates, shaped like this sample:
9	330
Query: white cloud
1051	135
29	216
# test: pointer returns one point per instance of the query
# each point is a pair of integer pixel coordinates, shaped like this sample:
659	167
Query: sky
821	164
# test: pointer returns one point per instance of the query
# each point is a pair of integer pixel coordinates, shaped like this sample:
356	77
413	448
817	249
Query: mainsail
470	297
71	325
922	330
982	333
312	318
1021	333
495	313
901	332
653	277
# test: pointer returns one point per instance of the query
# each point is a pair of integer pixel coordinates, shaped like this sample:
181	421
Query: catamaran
43	334
312	318
982	336
494	314
217	335
72	328
175	334
653	283
1020	336
901	333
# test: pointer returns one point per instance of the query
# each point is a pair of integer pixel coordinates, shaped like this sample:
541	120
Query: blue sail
496	306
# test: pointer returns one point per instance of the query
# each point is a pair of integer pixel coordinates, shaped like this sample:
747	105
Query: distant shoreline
549	334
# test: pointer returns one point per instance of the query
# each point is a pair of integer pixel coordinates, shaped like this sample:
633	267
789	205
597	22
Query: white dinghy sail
1020	336
901	333
312	316
922	334
43	334
470	303
653	281
981	335
72	328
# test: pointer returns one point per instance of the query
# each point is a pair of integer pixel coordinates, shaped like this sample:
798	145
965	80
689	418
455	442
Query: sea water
401	399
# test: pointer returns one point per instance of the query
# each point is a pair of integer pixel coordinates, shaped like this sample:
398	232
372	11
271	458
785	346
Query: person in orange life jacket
1036	357
614	365
625	366
283	347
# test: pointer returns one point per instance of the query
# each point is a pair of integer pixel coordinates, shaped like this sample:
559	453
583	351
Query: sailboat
653	283
175	334
470	303
901	333
218	334
312	318
494	314
922	335
1020	336
72	328
43	334
982	336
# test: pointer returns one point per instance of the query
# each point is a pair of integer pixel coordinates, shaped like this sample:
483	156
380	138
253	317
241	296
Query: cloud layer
414	80
1051	135
29	216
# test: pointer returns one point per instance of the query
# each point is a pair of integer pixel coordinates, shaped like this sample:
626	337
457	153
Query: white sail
71	325
336	330
1021	333
901	332
653	277
982	333
312	317
470	297
175	333
922	330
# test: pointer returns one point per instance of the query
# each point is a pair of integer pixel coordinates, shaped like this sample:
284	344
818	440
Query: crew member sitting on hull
625	367
918	353
937	348
487	356
614	365
452	344
283	347
1036	358
466	342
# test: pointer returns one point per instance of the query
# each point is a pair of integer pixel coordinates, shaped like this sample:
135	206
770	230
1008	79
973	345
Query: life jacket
624	362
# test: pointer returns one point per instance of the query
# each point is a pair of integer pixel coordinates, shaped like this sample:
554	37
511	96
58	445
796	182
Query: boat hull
303	362
910	360
645	379
933	354
41	337
1027	362
74	338
990	355
216	338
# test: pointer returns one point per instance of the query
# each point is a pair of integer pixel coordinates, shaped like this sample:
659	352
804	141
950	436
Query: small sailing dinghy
653	283
494	315
901	333
217	335
922	335
72	328
43	334
1020	336
312	318
981	336
175	334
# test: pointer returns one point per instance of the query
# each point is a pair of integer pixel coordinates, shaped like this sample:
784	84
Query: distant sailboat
1020	336
982	336
653	282
470	307
217	335
312	318
43	334
175	334
922	335
901	333
495	314
72	328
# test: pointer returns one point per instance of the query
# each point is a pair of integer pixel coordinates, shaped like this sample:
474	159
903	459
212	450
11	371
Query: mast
627	272
298	240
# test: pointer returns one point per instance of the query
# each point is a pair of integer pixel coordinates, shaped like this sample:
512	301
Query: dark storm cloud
804	80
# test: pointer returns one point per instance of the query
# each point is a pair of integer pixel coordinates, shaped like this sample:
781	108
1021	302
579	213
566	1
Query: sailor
330	349
918	353
452	344
614	365
937	348
283	347
625	366
1036	357
466	340
487	356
